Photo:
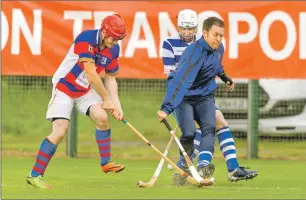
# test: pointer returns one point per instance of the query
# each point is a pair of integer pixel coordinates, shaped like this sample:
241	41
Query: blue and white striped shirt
173	48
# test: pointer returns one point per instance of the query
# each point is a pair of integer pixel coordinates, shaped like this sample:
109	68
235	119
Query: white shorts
61	105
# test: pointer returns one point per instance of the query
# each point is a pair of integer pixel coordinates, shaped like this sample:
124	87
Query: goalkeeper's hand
230	86
228	81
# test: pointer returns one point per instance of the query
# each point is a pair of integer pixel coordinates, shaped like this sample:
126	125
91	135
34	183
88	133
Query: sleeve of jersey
84	48
168	57
221	52
113	66
221	69
182	81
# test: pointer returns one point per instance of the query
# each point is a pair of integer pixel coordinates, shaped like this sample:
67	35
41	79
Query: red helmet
114	26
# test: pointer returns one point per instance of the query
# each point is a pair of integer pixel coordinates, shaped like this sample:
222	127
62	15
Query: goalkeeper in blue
173	47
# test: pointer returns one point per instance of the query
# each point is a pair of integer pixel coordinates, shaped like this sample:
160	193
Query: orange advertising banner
262	39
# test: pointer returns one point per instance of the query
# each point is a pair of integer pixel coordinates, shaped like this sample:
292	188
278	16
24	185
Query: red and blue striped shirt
70	77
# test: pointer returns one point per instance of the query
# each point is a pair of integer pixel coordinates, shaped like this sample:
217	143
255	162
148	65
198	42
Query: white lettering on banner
303	35
264	35
165	27
141	22
33	36
82	80
204	15
78	17
4	30
99	16
19	23
120	45
235	37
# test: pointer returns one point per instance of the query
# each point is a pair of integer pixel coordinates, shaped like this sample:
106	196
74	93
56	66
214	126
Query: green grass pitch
82	179
281	164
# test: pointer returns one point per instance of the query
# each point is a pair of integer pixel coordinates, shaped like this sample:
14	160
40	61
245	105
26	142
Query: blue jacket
195	74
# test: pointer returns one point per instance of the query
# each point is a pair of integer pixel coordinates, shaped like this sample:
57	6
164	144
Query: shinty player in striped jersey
173	47
77	83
